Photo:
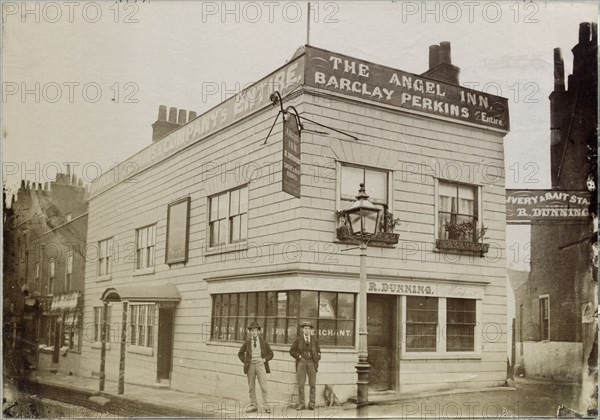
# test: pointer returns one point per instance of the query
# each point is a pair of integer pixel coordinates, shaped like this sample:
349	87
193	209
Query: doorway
165	343
381	315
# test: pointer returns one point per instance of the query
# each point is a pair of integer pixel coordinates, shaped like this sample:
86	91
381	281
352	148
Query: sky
82	81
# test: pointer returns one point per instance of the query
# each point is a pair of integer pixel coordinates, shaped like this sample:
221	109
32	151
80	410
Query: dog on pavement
330	398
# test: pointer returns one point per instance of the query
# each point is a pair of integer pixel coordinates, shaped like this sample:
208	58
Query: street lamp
362	218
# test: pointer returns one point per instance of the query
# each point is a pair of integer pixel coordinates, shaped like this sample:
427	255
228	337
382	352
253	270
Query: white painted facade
291	243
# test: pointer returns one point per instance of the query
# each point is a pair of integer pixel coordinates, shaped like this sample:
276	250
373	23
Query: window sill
454	245
98	345
442	356
105	277
283	347
143	271
146	351
221	249
381	239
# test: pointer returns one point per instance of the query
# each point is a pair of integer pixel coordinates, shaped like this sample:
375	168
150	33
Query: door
380	324
165	343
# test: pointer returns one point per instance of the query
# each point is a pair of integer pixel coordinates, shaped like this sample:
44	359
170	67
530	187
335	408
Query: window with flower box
459	224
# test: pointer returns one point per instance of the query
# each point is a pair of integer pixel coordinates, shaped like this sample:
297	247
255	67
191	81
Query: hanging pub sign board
539	206
291	156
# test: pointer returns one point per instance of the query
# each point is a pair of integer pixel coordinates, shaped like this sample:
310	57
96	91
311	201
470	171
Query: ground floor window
97	333
421	323
460	323
545	317
48	330
141	324
71	337
440	324
280	313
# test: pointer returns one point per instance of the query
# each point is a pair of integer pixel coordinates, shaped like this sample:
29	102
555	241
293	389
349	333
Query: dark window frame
461	328
169	258
454	217
228	325
422	329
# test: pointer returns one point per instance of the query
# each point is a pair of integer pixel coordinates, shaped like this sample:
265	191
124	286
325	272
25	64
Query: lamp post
362	218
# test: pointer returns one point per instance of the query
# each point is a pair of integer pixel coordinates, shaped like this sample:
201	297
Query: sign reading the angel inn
527	206
350	76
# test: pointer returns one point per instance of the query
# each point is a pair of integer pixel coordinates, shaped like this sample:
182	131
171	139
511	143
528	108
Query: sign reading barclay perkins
350	76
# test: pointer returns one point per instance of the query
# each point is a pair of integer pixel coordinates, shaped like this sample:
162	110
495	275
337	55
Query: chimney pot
192	115
584	32
445	56
173	115
434	56
559	70
181	117
162	113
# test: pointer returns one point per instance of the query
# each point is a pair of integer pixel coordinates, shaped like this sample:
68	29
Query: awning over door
163	293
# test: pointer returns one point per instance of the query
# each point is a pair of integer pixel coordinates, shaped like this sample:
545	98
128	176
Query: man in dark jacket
307	353
255	355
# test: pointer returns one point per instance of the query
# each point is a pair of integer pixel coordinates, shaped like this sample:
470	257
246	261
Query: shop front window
280	313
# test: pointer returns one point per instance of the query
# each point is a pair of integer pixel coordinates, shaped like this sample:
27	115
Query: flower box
380	238
458	245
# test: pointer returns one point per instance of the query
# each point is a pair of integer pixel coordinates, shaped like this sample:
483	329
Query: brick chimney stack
440	64
163	126
573	115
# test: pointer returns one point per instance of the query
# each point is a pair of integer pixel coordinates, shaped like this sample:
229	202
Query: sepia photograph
299	209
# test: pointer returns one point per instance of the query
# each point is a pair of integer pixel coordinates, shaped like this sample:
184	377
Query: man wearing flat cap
307	353
255	355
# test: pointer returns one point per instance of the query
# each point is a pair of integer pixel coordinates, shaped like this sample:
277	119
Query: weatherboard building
220	222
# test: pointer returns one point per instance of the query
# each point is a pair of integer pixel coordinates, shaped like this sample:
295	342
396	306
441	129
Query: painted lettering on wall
527	206
223	115
350	76
399	288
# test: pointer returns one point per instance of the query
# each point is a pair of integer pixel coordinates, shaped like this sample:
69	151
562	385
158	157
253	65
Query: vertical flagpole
308	25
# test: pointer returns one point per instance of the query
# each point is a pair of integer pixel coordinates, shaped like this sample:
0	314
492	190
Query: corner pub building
196	238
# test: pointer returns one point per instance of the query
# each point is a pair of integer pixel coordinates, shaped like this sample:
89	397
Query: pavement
525	399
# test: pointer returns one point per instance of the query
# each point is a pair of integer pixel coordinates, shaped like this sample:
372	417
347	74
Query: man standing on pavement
255	355
307	353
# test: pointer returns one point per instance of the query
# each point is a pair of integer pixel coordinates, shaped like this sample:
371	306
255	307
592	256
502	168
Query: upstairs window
145	246
228	217
376	185
69	271
51	275
105	249
457	211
